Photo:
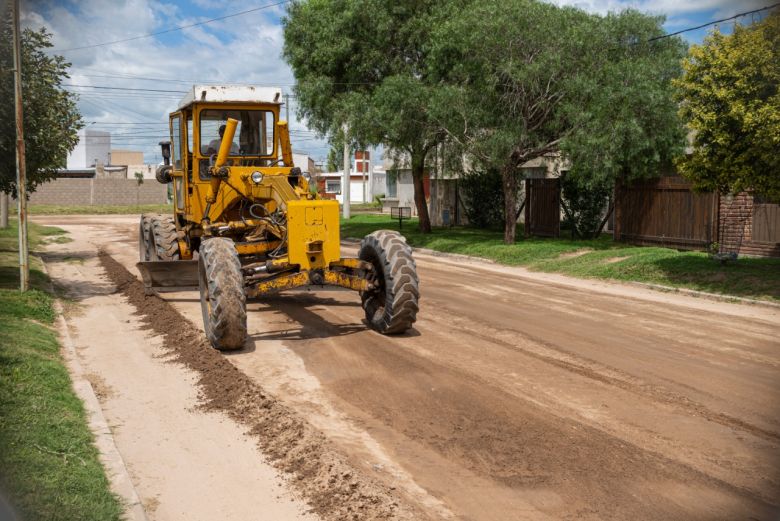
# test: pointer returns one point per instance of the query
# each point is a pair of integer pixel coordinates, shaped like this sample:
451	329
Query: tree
363	63
51	118
729	98
528	79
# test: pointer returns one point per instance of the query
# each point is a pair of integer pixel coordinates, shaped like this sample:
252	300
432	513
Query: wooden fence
665	212
766	221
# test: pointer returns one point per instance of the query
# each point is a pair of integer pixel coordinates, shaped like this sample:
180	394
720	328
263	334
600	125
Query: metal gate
542	207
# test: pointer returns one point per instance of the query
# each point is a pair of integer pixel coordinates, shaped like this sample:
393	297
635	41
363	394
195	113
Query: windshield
254	133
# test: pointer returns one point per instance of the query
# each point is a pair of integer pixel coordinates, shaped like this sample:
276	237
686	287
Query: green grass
99	209
599	258
49	468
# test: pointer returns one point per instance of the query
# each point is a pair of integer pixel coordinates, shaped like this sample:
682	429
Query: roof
234	93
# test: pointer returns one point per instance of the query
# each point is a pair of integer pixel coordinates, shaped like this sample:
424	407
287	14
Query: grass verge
49	468
99	209
599	258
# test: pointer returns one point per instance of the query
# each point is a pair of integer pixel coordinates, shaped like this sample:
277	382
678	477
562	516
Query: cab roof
231	93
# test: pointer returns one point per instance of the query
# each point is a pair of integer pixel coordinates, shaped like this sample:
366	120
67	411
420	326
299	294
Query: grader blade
168	276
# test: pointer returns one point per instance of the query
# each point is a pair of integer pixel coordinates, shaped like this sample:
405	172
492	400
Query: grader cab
246	223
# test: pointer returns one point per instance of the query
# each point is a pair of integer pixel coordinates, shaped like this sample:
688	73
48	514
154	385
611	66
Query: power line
702	26
122	88
173	29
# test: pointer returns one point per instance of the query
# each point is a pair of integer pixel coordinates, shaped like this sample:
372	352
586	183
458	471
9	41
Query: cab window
176	142
254	135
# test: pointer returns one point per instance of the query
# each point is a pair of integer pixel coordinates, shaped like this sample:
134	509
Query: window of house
392	185
333	186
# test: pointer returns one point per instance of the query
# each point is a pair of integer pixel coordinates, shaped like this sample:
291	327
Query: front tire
392	306
222	296
144	238
165	239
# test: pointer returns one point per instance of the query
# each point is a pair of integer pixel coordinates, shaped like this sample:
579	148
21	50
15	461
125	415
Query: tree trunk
606	218
418	173
509	181
575	234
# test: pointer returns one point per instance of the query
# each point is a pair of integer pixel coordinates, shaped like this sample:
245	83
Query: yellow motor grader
246	223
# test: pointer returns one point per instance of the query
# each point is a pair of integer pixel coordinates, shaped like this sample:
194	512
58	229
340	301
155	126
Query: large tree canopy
363	63
51	118
730	99
526	79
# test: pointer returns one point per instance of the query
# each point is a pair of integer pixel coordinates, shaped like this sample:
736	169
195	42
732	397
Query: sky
245	49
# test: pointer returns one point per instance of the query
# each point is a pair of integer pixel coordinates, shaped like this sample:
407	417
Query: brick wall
79	192
736	227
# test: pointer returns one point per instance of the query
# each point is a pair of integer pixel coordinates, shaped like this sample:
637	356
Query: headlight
307	176
257	177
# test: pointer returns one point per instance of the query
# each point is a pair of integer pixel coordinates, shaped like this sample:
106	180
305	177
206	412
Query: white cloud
666	7
213	53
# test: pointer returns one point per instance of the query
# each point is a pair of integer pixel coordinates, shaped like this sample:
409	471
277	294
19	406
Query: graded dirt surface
516	396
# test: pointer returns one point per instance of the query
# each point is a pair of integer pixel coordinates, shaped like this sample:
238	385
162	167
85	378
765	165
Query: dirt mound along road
332	487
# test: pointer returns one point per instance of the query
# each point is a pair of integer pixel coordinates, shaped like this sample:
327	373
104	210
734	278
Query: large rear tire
392	306
222	296
145	238
165	239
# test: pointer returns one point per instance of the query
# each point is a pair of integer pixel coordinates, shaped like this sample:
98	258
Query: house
399	185
329	185
304	162
365	181
133	161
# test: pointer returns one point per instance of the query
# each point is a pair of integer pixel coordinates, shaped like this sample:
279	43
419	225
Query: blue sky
245	49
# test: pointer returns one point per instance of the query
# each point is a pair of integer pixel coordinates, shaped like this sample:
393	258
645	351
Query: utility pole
287	109
3	210
370	178
345	177
363	171
21	172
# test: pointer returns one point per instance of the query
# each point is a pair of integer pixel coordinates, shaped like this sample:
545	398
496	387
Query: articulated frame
347	273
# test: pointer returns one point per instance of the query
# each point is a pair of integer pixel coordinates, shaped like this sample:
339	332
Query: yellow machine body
313	233
259	200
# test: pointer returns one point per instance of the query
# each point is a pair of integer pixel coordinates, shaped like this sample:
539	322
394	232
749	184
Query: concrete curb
656	287
110	457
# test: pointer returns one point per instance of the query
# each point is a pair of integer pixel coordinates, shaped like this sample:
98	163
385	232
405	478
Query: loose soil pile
333	488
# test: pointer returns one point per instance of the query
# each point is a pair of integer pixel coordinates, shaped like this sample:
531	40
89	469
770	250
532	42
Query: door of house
542	207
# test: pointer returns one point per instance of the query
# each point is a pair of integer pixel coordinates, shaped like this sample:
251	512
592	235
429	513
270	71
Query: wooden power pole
21	172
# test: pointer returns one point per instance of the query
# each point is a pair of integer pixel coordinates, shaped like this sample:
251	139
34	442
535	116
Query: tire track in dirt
332	487
552	354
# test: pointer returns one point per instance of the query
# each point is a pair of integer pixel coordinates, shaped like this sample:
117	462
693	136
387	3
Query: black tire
144	238
392	307
165	246
222	296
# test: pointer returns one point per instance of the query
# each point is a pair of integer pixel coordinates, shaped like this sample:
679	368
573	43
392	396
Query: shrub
483	198
584	204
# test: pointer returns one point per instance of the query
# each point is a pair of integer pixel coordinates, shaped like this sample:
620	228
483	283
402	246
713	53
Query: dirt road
516	397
